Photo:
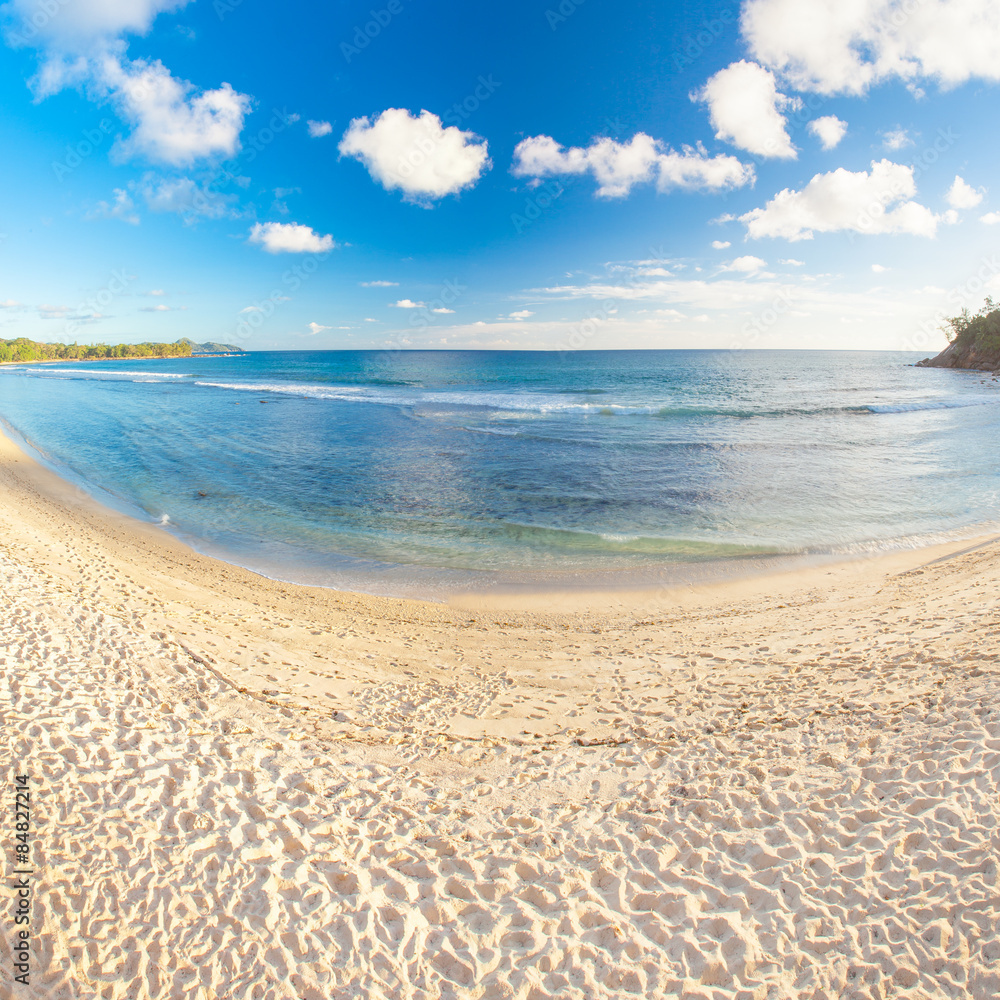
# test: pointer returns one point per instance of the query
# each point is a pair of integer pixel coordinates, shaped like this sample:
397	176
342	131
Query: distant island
22	350
210	347
975	341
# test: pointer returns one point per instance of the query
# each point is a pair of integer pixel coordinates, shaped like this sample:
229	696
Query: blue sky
776	173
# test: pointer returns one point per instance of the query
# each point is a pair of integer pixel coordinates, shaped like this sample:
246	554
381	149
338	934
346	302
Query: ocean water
424	472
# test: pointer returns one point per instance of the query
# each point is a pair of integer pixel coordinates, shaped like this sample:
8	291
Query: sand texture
777	789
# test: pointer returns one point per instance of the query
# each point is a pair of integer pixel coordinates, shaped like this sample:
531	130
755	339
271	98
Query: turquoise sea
424	472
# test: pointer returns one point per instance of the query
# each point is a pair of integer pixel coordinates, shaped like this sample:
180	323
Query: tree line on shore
22	350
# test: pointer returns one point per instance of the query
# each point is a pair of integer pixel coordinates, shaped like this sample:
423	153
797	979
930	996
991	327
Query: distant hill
210	347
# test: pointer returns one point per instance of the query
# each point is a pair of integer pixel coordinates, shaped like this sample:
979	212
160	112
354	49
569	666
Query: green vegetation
976	331
21	350
210	347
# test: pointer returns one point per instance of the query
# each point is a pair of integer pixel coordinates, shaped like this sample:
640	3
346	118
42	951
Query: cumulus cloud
53	312
745	265
318	129
721	244
315	328
83	45
443	311
184	196
962	195
172	123
120	207
521	314
409	304
896	139
745	108
83	23
416	154
879	268
289	237
829	130
990	218
846	47
618	167
870	202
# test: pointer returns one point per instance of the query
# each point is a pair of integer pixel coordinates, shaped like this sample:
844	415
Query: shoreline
292	792
563	589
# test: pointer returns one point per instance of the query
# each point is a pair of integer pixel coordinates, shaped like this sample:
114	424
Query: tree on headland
975	340
22	350
976	330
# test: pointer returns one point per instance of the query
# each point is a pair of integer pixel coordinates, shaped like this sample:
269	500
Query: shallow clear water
408	471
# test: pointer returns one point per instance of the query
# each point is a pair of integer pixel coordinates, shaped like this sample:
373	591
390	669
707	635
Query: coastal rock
975	341
957	355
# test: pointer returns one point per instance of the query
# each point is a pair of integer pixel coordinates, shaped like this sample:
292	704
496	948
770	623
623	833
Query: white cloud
156	291
369	319
315	328
721	244
409	304
962	195
171	123
990	218
122	207
745	265
416	154
318	129
160	308
53	312
792	262
618	167
521	314
82	44
289	237
846	47
845	200
379	284
879	268
11	304
81	24
829	130
745	109
443	311
896	139
183	196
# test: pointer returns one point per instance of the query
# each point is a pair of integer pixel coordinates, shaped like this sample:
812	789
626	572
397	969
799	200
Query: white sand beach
778	788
